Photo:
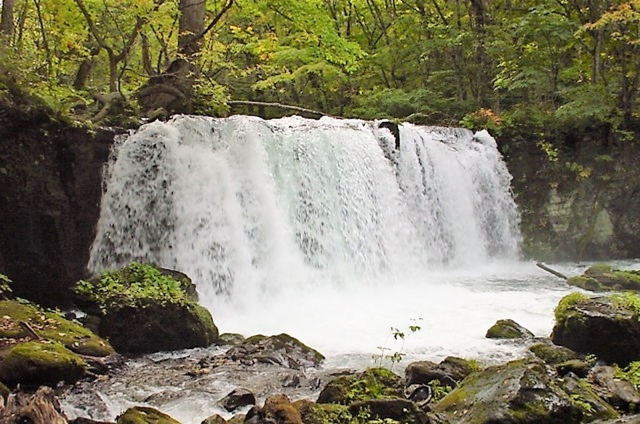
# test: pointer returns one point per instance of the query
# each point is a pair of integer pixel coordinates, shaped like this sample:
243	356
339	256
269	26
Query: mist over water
323	230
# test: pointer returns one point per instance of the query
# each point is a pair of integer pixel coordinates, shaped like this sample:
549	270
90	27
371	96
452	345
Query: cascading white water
244	204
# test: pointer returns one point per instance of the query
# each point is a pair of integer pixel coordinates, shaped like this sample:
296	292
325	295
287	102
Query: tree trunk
6	21
191	26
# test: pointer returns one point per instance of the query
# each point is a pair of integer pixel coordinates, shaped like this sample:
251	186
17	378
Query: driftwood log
37	408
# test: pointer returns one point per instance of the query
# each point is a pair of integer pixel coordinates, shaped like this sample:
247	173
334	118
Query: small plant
132	286
5	287
627	300
630	373
397	334
438	391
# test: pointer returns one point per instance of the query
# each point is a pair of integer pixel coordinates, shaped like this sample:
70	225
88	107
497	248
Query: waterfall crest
243	204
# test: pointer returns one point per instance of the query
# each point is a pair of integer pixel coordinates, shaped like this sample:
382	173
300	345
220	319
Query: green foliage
630	373
438	391
5	287
136	285
627	300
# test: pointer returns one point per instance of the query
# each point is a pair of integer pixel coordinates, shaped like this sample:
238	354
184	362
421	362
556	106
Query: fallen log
551	271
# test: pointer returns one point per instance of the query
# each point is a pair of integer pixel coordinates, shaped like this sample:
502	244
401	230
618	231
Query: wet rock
508	329
373	383
574	366
516	392
282	350
599	326
448	372
278	409
214	419
584	397
619	393
81	420
145	309
553	354
237	399
144	414
601	277
231	339
41	362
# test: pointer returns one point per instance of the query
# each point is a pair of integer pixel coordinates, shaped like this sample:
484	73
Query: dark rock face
282	350
597	326
159	328
237	399
50	189
516	392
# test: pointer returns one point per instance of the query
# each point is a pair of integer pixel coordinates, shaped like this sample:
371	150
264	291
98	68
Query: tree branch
278	105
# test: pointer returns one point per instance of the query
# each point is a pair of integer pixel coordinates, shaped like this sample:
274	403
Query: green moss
206	320
626	279
327	414
586	283
49	325
628	300
144	415
565	305
136	285
507	329
552	354
598	270
41	362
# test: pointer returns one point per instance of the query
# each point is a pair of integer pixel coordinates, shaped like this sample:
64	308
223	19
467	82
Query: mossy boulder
447	373
41	362
602	277
282	349
584	396
18	319
508	329
606	326
144	415
553	354
373	383
516	392
144	309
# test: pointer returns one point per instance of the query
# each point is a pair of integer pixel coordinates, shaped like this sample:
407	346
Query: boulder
508	329
601	326
144	414
237	399
144	309
618	392
279	409
553	354
373	383
516	392
41	362
25	321
379	410
282	350
447	373
601	277
584	396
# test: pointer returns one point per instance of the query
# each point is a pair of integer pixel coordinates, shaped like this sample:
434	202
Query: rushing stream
323	230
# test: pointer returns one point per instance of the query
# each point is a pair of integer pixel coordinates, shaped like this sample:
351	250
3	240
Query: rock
282	350
582	394
552	354
41	362
618	392
159	328
214	419
448	372
41	407
401	410
373	383
144	414
508	329
81	420
574	366
145	309
237	399
601	277
231	339
280	410
599	326
517	392
21	319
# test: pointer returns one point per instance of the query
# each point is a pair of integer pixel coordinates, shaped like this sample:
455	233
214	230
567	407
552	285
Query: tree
6	21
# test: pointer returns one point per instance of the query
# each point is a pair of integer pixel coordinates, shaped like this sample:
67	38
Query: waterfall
244	205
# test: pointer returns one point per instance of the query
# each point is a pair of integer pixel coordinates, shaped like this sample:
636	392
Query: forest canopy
480	63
